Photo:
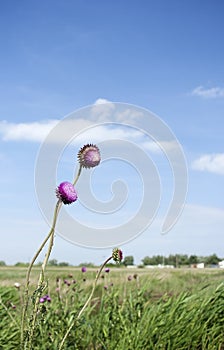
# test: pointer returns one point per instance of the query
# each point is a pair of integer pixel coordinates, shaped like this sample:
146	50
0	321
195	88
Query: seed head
89	156
117	255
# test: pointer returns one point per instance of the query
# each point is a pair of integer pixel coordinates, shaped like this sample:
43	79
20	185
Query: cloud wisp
34	131
214	92
213	163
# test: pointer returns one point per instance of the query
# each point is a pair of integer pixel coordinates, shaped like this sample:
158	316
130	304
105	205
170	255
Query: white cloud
214	92
213	163
35	131
101	101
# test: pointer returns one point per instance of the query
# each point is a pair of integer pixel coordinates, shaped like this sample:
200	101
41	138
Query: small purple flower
107	270
84	269
45	298
129	278
89	156
105	287
66	192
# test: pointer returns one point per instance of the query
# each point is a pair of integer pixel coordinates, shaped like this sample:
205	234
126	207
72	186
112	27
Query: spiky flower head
66	192
89	156
117	255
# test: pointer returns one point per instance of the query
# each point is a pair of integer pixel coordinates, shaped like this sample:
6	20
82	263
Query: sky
57	58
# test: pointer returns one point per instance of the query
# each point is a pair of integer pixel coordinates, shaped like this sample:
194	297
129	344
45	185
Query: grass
176	309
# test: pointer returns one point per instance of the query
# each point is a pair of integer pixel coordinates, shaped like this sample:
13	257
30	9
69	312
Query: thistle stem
86	303
77	176
25	307
41	277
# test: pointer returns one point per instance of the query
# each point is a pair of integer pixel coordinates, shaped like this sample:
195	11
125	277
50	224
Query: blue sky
165	56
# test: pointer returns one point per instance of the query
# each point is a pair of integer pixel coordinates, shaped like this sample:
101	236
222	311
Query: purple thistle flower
42	300
66	192
105	287
89	156
129	278
107	270
84	269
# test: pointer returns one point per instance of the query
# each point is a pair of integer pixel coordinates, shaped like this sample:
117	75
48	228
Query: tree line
176	260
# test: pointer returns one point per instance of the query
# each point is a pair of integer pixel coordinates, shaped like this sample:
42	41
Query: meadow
172	309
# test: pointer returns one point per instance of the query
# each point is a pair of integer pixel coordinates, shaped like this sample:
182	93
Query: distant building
221	264
200	266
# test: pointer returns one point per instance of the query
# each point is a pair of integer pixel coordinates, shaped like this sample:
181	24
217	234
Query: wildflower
107	270
89	156
84	269
117	255
129	278
45	298
105	287
66	192
17	285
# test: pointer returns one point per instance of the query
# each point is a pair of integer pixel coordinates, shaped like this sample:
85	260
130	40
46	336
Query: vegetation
147	309
179	260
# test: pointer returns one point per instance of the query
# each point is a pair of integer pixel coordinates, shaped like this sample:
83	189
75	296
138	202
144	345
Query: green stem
26	296
41	277
9	313
86	303
77	176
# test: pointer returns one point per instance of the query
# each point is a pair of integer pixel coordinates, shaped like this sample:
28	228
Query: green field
175	309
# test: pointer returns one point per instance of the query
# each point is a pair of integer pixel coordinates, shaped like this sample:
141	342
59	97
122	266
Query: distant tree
63	263
146	260
53	262
128	260
193	259
155	260
212	260
182	259
21	264
2	263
